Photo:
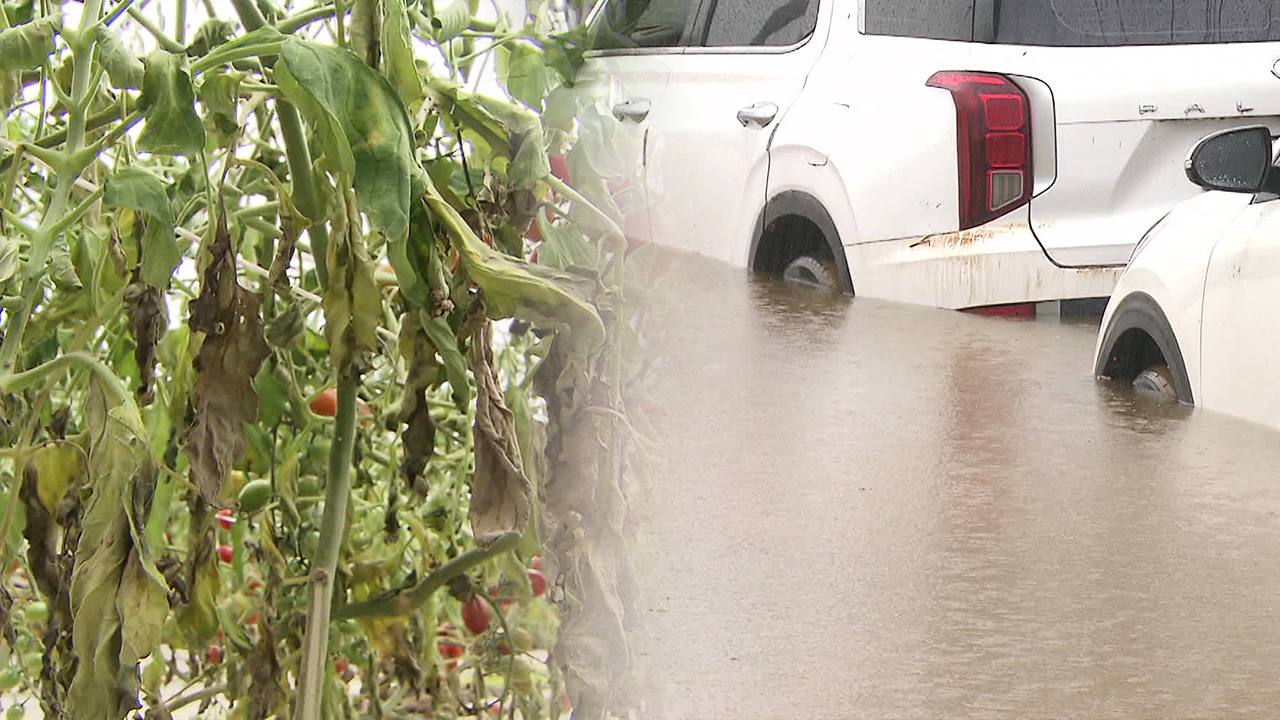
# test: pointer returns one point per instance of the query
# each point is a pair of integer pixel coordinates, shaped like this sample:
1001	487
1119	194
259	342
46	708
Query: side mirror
1235	160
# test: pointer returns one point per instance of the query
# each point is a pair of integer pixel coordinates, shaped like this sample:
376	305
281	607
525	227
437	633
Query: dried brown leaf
267	692
500	491
419	437
232	352
278	278
146	324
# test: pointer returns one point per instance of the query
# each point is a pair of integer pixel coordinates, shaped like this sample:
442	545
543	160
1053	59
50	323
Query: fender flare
802	204
1140	311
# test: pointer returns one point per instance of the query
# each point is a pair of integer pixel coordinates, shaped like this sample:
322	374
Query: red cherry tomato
340	665
538	581
225	519
213	655
226	553
326	403
449	650
475	614
534	233
252	619
559	167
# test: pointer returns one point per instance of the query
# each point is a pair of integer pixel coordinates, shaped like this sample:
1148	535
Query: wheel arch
803	206
1137	329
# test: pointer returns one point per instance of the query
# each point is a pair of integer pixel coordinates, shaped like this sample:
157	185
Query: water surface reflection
873	510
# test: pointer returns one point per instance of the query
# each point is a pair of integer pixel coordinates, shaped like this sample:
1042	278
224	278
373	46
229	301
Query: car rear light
993	144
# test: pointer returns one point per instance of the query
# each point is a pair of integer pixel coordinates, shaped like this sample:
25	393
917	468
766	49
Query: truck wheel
810	271
1156	382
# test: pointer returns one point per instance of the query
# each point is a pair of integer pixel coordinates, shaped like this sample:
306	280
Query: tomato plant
282	378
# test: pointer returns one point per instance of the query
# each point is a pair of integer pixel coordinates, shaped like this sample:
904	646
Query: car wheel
811	271
1156	382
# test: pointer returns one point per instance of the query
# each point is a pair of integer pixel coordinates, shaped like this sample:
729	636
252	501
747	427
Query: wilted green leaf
562	109
118	603
566	52
450	22
398	52
9	259
218	95
522	71
63	269
508	129
514	288
565	246
26	46
123	67
212	33
137	189
352	302
9	84
408	256
360	118
455	365
161	255
365	31
530	164
273	397
168	100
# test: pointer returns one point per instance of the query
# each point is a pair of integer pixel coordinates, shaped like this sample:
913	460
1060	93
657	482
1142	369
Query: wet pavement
864	509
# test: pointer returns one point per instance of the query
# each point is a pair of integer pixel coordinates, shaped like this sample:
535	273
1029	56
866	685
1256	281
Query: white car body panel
1172	268
701	158
858	130
1240	327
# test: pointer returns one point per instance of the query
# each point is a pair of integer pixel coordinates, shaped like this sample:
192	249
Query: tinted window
1136	22
936	19
641	23
737	23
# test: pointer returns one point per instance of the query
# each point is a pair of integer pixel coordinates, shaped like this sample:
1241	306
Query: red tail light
993	140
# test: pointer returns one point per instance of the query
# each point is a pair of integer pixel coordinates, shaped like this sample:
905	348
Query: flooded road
863	509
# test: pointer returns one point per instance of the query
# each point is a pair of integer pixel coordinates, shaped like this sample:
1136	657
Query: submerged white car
1194	315
953	153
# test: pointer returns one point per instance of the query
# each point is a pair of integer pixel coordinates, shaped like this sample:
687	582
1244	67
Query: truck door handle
761	113
634	110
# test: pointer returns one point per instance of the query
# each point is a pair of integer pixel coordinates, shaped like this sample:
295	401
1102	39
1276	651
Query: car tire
1139	311
810	271
1156	382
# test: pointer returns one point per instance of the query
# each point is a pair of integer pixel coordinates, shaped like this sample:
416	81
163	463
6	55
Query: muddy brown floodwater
864	509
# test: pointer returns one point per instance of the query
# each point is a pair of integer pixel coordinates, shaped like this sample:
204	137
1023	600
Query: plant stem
299	158
180	22
111	383
324	564
197	696
76	213
82	47
408	602
293	22
93	123
166	42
